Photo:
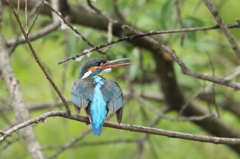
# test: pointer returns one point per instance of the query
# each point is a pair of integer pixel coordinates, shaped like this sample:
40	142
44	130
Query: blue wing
112	94
82	93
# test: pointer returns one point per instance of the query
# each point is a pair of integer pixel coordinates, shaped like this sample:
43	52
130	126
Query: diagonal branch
143	35
65	25
37	60
223	27
184	68
34	36
18	103
179	19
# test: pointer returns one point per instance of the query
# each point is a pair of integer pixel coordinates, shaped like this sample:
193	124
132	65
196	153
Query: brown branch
223	27
135	128
26	15
35	9
1	8
92	7
142	140
2	132
174	97
233	73
185	69
39	6
37	60
44	31
18	103
97	143
75	140
110	23
65	25
143	35
179	19
163	115
9	143
70	144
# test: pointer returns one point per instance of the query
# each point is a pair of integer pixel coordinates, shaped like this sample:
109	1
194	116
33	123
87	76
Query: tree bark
18	104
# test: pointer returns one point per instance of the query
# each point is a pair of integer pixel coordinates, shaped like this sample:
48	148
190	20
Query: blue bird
97	95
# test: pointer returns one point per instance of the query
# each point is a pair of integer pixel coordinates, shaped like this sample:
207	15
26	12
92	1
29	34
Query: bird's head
97	66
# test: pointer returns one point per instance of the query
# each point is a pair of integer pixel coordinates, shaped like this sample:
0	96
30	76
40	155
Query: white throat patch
106	71
88	73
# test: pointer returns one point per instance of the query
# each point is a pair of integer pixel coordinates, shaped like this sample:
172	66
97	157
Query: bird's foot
89	120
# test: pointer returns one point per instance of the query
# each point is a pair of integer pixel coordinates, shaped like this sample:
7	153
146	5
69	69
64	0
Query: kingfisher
97	95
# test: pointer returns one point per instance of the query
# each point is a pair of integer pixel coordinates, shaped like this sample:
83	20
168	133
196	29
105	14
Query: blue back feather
98	107
97	95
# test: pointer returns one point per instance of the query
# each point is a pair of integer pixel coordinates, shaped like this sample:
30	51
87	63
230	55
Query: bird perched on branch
97	95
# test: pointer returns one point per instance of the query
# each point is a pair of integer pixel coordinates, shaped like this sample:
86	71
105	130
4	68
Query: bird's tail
96	127
96	130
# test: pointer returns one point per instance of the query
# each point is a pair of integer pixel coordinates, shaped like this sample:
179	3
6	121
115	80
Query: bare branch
143	35
38	61
70	144
8	143
18	103
97	143
26	15
178	13
185	69
135	128
1	8
39	6
163	115
65	23
213	86
92	7
44	31
145	136
227	76
2	132
223	27
15	41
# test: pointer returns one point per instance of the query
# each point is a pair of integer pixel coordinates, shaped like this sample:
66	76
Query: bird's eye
98	63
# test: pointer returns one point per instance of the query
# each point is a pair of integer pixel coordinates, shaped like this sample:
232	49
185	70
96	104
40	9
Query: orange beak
108	63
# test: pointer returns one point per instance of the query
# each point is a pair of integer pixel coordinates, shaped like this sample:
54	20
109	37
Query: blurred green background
113	143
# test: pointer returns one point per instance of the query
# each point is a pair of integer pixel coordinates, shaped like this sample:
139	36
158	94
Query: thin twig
39	6
96	143
18	6
110	23
223	27
8	143
116	11
160	113
70	144
26	15
92	7
184	68
178	13
66	24
1	8
143	35
30	15
44	31
38	61
145	136
213	86
227	76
